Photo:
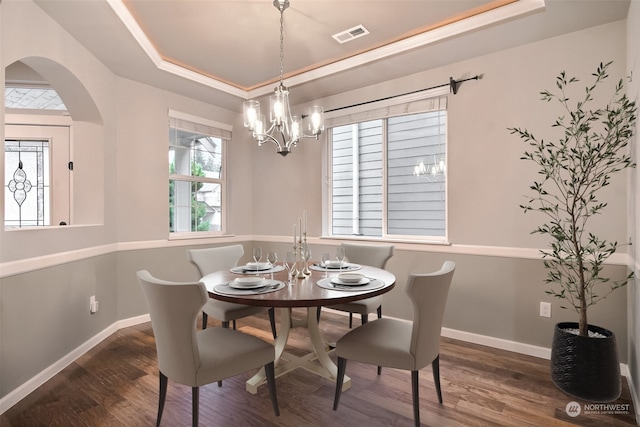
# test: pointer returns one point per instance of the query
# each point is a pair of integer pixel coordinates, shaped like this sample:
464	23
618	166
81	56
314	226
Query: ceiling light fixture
285	130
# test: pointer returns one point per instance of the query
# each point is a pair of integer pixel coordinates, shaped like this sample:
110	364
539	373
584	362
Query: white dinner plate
247	283
350	277
328	284
334	265
257	266
362	281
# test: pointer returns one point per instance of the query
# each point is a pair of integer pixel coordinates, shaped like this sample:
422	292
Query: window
36	174
33	98
31	159
388	174
196	174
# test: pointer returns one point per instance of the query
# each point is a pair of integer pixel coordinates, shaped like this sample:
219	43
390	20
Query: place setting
339	264
354	282
249	286
257	267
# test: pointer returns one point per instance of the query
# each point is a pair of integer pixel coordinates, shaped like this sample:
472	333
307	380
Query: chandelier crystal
285	130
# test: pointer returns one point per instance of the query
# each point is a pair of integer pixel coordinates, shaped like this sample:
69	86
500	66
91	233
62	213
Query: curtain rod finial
453	85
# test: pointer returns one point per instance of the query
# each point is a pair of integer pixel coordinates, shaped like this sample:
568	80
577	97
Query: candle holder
294	268
306	270
301	273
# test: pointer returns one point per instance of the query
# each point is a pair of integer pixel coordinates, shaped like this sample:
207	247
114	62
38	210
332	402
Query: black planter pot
586	368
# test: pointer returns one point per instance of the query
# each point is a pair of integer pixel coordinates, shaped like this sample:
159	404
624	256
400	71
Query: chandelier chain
281	45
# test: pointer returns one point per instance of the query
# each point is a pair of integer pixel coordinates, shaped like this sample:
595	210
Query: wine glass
257	256
272	257
289	262
325	260
306	256
340	255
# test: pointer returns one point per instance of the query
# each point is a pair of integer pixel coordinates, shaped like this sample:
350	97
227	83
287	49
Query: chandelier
284	130
434	171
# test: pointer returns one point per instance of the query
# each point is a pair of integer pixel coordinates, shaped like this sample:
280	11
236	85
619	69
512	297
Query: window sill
388	240
193	236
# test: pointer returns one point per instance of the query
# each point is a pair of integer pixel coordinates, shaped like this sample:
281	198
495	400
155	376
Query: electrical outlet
93	304
545	309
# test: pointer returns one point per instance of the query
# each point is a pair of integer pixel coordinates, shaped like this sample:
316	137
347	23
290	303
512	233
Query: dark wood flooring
116	384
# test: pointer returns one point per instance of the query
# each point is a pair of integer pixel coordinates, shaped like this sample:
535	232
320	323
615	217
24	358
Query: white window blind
374	187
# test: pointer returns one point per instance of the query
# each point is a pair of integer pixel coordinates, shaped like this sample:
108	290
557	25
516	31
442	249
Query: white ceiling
223	51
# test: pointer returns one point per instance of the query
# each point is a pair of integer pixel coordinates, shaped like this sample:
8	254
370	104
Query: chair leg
234	324
350	320
224	325
272	321
163	395
270	372
319	310
379	317
195	400
416	398
364	318
435	367
342	366
205	317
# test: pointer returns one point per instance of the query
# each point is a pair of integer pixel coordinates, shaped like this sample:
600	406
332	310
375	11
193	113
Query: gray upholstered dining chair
374	256
196	358
403	344
211	260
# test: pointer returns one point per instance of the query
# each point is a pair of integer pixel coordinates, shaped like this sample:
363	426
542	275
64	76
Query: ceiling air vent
350	34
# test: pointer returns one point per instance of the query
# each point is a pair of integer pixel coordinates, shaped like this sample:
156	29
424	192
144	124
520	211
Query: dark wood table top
303	292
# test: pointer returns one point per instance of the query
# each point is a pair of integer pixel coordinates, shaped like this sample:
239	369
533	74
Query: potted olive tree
590	148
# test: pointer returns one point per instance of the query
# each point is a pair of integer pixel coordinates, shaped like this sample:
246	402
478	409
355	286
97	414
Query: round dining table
315	290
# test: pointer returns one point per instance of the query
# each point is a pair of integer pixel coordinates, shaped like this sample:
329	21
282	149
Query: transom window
388	175
196	174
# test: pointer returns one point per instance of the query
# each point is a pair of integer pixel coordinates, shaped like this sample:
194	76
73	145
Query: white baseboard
32	384
634	395
502	344
530	350
132	321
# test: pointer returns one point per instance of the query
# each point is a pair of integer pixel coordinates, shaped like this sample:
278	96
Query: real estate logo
573	409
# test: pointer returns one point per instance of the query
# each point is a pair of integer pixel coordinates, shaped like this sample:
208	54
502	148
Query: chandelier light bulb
316	124
277	110
295	128
259	129
251	112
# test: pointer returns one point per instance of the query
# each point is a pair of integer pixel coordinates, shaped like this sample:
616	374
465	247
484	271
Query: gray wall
497	286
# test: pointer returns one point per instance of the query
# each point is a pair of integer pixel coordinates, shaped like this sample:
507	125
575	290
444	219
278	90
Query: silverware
268	288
